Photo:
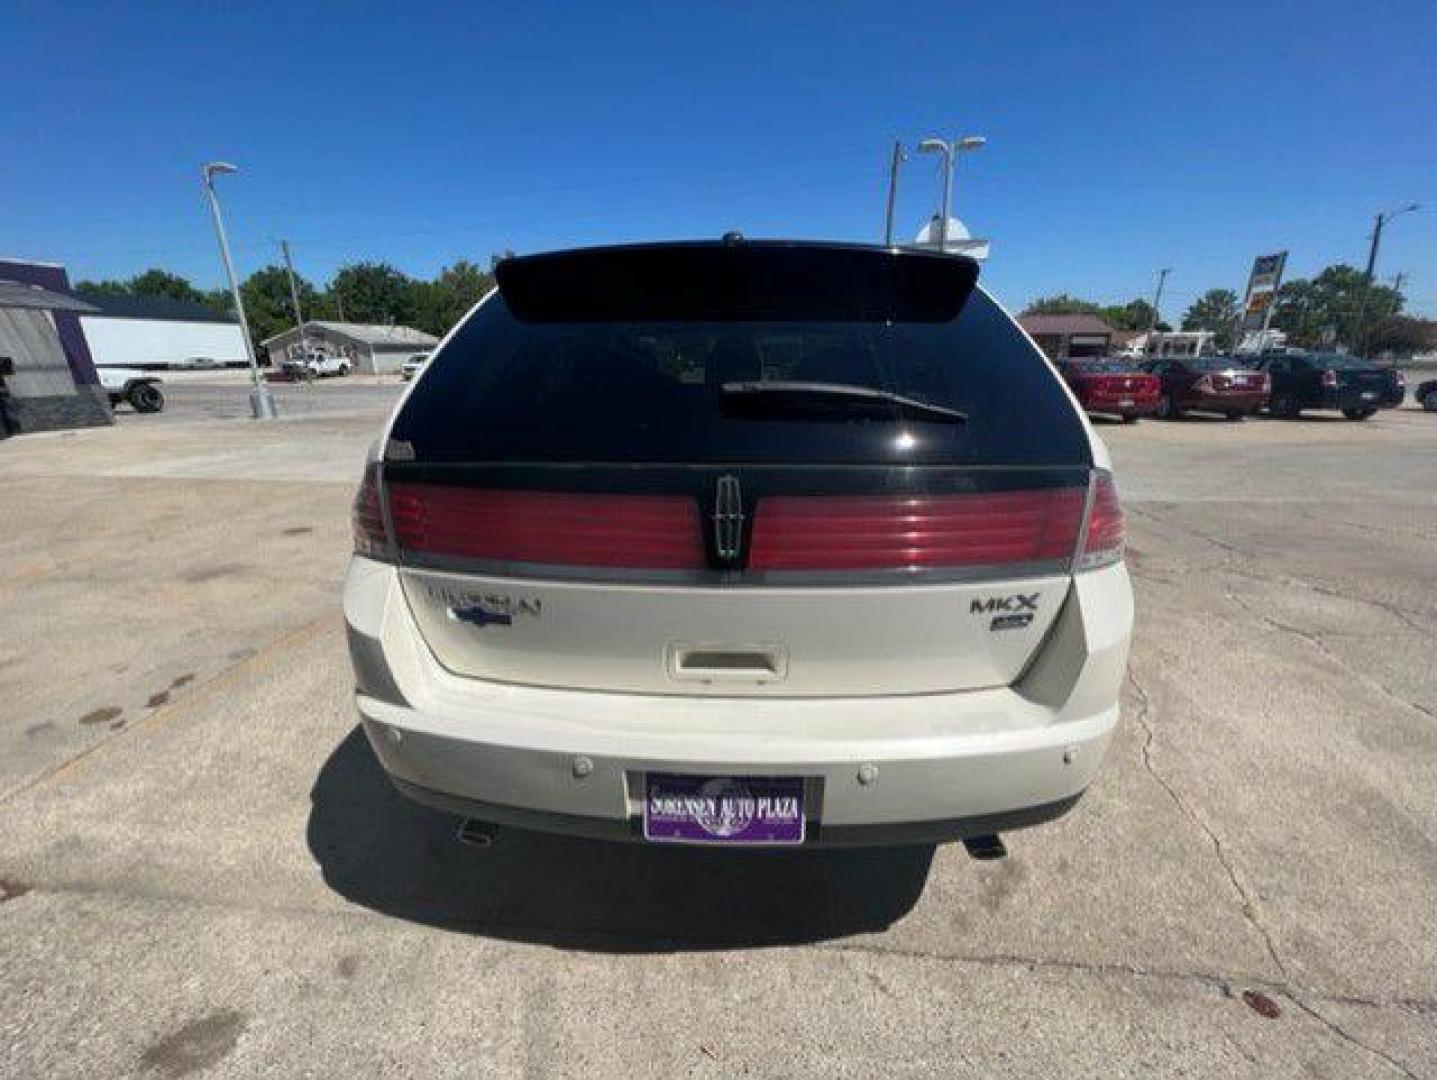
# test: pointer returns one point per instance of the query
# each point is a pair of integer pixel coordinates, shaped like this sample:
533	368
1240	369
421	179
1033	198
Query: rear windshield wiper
846	394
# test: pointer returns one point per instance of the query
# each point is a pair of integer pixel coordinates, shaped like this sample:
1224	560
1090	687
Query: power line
830	180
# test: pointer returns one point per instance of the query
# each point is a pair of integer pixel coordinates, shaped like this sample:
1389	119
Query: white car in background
410	367
750	544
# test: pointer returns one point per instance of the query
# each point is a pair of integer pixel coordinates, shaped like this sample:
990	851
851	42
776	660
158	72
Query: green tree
107	287
161	283
437	305
429	307
1402	335
1062	304
374	293
466	284
268	305
1216	311
157	283
1134	315
1325	310
221	301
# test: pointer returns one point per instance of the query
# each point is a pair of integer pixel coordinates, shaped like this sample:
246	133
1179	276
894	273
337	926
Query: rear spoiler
737	280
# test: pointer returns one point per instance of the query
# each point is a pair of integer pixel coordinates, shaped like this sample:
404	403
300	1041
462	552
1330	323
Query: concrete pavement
217	880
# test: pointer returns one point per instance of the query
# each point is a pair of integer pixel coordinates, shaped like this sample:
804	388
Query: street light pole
1378	222
950	152
898	158
261	401
944	147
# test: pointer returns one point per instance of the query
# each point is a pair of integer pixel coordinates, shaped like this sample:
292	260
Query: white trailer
162	343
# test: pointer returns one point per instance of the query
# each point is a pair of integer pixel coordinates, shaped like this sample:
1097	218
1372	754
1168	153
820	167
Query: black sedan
1357	388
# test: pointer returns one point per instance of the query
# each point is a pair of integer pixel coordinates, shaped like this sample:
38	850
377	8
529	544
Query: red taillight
1106	530
370	537
814	532
1329	379
635	531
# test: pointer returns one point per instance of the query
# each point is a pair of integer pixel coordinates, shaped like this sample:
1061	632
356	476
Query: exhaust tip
986	847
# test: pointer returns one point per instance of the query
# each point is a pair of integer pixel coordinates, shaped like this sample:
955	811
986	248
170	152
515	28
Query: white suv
735	543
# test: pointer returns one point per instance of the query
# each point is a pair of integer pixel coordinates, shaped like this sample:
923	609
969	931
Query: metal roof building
376	349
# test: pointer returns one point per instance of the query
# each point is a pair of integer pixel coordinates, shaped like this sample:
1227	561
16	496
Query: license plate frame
724	811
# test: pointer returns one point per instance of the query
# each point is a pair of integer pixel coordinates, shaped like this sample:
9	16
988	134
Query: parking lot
204	872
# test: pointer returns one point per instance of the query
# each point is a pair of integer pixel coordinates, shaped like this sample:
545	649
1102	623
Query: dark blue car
1355	387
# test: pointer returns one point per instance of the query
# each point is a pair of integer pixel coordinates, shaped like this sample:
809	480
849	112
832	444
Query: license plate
1125	403
753	810
1369	395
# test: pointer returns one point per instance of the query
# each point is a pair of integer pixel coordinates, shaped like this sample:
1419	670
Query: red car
1111	386
1216	384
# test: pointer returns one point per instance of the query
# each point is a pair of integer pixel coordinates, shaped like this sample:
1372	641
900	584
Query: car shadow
1190	417
1306	418
384	852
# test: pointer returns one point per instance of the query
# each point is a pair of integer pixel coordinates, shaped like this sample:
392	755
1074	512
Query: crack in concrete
1248	904
1363	526
1314	638
1347	1036
1249	908
1219	985
1406	616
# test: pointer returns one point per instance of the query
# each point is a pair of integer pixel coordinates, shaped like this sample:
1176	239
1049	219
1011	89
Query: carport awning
19	294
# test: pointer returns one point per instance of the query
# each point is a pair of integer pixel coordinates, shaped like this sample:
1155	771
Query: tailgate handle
728	663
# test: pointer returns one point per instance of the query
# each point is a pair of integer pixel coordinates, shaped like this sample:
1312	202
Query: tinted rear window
627	392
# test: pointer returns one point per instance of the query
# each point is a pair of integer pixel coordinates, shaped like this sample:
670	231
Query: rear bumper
1119	405
820	834
1224	403
877	770
1354	399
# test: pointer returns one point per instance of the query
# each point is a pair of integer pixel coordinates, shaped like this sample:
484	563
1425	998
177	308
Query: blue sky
1122	137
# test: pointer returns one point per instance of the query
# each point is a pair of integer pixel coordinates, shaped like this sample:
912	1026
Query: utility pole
294	298
1157	300
898	158
261	401
1360	336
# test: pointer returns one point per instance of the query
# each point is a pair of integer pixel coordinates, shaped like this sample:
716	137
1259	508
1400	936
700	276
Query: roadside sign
1262	286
